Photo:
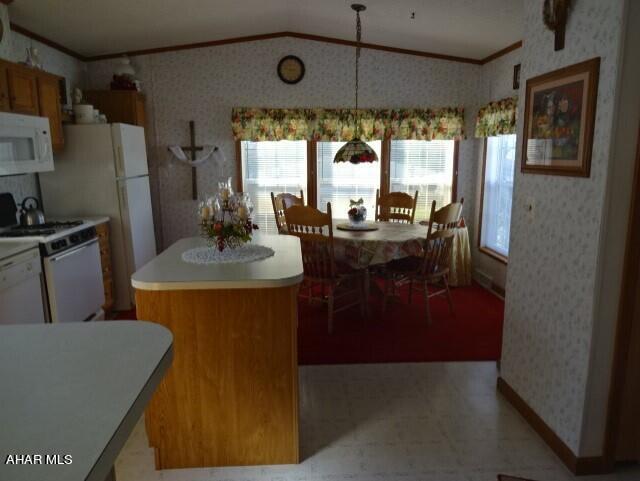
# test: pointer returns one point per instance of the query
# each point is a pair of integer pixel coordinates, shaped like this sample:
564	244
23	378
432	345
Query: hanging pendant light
356	151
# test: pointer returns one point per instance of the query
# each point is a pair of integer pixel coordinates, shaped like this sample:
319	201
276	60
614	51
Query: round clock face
290	69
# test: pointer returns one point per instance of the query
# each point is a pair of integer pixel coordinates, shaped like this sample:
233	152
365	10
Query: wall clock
290	69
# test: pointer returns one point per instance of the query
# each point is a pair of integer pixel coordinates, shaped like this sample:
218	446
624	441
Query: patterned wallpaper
497	83
549	315
497	76
204	84
549	310
5	44
13	48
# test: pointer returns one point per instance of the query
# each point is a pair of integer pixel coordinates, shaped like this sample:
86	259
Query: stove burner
50	225
27	232
39	230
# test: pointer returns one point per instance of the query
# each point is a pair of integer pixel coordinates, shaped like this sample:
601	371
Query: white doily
211	255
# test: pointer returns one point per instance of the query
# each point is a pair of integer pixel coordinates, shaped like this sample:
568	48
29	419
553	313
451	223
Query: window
338	183
425	166
272	167
497	193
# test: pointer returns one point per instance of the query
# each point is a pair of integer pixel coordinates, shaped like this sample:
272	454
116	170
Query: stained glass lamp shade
355	151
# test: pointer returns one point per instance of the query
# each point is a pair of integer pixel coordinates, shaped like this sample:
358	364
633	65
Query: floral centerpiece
225	219
357	212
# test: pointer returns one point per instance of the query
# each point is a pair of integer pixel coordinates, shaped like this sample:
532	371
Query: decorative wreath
554	13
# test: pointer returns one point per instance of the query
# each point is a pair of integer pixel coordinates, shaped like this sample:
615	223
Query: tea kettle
31	215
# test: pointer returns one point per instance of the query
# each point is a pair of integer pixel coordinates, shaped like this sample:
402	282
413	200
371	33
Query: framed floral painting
559	118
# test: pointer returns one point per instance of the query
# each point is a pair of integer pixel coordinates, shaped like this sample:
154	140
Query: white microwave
25	144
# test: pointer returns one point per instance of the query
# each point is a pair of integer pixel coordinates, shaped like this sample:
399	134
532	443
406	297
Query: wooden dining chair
430	269
282	201
447	217
396	207
321	271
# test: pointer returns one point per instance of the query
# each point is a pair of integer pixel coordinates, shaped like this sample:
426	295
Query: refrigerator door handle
120	162
123	196
133	177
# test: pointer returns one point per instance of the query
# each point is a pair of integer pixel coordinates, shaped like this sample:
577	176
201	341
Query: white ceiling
466	28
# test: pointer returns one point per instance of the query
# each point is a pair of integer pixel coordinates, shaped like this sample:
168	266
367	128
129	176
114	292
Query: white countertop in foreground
169	272
11	248
87	219
75	389
97	220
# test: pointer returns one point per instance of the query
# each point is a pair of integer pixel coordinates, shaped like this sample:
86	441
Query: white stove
70	262
53	237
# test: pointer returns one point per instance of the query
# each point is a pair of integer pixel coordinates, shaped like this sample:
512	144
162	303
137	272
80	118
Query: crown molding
46	41
383	48
502	52
188	46
267	36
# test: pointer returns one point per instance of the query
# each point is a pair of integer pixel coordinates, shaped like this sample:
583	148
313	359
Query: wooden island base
231	396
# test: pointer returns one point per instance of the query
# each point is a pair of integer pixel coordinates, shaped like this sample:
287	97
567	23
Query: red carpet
473	333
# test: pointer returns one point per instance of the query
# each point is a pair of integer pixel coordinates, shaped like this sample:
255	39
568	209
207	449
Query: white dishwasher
21	295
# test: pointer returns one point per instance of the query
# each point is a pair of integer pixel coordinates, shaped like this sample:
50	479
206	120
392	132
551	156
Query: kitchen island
231	395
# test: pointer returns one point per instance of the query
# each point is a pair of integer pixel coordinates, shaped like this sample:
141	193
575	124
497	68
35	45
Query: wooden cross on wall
193	149
554	14
558	39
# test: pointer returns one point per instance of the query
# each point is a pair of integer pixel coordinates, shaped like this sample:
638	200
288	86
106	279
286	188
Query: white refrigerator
103	171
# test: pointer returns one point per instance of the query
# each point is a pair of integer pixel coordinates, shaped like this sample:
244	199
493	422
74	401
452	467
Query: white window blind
338	183
272	167
425	166
498	193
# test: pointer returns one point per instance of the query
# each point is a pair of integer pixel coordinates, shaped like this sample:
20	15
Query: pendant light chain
358	37
355	150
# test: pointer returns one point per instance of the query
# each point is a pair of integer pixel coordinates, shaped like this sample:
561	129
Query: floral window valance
340	124
497	118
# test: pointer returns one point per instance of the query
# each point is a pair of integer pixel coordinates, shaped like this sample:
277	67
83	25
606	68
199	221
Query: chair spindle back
396	207
447	217
437	252
280	203
315	230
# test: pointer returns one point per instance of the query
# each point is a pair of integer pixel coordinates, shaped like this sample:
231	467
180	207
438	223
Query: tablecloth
393	241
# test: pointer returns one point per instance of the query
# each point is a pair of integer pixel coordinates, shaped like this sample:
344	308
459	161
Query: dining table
388	241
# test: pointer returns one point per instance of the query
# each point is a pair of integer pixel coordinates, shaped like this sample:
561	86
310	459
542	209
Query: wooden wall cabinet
124	106
107	269
5	105
23	90
28	91
49	104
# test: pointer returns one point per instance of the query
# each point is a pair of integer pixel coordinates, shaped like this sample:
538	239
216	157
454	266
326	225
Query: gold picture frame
559	120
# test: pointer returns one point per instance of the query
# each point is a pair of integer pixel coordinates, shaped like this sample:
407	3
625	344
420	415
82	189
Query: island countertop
169	272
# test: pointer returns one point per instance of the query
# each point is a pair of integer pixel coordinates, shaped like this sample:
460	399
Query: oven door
74	283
